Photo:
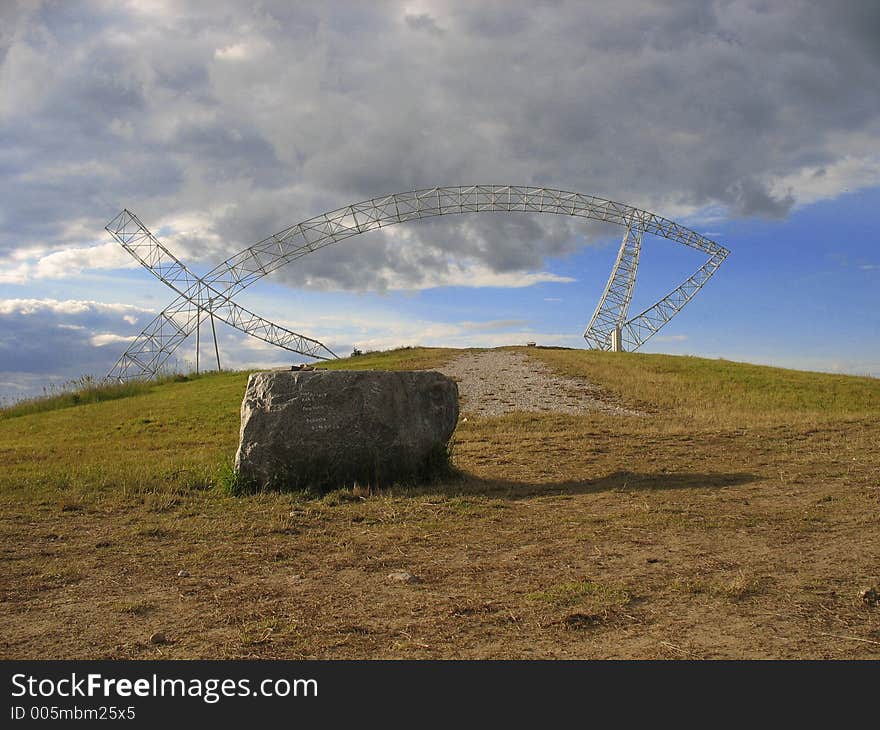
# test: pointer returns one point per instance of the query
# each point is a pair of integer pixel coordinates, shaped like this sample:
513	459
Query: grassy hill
736	517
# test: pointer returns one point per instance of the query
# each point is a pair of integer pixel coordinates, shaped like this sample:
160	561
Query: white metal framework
197	296
214	292
611	310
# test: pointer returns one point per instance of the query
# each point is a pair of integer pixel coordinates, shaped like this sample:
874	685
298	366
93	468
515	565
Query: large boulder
331	428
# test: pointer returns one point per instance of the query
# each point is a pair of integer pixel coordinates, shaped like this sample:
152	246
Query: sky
757	124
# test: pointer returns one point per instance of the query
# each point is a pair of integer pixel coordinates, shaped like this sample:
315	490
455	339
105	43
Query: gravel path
495	382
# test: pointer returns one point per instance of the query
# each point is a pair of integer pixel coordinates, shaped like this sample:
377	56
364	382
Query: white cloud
474	275
28	262
108	338
33	264
66	306
243	50
849	173
74	261
14	274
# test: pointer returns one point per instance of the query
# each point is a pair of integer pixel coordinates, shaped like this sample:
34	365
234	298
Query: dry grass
707	392
742	527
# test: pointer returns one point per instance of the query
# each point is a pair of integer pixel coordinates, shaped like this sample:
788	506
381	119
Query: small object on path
183	574
870	596
158	638
404	576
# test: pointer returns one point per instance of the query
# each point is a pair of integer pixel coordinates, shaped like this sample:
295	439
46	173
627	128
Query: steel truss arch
135	238
157	342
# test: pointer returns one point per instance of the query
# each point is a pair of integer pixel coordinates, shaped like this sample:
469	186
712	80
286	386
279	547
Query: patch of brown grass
731	534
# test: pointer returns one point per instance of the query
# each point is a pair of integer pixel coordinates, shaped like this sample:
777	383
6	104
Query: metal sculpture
602	332
213	293
195	295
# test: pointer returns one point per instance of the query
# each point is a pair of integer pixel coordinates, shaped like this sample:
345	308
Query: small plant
136	608
600	597
228	480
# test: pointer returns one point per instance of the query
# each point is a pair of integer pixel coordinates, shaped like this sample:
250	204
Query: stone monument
333	428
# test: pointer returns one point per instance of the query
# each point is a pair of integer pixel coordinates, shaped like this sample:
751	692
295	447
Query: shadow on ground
620	481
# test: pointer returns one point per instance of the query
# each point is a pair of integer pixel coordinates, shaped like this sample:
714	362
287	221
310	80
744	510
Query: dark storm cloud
251	119
65	338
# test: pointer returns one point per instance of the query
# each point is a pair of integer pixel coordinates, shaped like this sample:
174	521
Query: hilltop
718	510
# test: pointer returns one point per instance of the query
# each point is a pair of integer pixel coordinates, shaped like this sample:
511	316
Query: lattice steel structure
175	323
613	306
214	292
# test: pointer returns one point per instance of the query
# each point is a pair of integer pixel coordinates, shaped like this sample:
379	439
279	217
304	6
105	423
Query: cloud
108	338
54	340
247	120
15	386
220	123
423	22
45	341
244	51
17	273
76	307
456	273
73	261
491	250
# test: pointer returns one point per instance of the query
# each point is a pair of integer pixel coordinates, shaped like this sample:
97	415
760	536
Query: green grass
161	440
154	439
79	392
169	436
594	601
88	389
403	358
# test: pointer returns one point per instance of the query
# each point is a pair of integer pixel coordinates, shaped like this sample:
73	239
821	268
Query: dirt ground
497	382
567	536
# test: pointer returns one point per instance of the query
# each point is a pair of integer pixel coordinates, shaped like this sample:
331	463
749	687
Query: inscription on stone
313	407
